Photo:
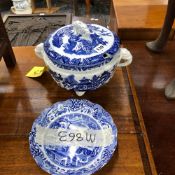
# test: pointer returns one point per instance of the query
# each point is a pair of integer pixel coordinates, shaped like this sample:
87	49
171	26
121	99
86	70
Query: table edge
142	124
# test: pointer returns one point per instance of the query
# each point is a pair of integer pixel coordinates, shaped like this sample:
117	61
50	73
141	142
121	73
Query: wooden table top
140	13
22	99
140	19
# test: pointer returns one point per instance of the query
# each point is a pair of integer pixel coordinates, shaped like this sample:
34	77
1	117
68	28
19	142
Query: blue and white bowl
73	137
83	57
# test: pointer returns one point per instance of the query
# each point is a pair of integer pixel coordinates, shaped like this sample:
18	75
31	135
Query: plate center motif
73	156
73	137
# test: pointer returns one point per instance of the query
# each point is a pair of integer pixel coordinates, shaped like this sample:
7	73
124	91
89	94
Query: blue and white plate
73	137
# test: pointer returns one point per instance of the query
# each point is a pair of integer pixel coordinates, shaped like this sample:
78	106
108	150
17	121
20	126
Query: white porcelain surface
21	7
76	69
73	137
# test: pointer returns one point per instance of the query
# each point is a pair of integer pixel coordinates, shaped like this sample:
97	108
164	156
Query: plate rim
84	101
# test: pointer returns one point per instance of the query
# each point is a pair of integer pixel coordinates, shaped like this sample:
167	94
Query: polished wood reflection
140	2
151	73
23	99
140	19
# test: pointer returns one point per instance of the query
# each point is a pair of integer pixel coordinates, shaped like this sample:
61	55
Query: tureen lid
73	137
81	46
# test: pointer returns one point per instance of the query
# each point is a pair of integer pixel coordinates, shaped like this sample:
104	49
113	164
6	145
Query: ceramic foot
152	46
80	93
170	90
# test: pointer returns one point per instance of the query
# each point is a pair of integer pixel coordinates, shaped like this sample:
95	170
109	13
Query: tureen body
83	57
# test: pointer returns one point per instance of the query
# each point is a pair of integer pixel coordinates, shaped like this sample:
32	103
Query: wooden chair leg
7	52
88	3
9	57
48	4
75	8
160	42
33	5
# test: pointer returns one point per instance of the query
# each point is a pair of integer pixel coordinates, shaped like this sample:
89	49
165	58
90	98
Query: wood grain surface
22	99
141	2
151	73
140	19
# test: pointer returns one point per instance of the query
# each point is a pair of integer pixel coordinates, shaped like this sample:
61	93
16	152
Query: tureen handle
126	58
39	50
81	28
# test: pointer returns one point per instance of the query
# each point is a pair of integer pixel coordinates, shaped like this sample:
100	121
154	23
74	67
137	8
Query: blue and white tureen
74	137
83	56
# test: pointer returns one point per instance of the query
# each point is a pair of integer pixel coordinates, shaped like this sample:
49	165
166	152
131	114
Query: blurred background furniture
5	47
160	42
5	5
28	30
88	4
48	9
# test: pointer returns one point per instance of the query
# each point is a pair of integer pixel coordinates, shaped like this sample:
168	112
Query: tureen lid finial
81	28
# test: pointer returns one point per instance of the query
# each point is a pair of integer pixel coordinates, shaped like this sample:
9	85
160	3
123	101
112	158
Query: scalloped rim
84	101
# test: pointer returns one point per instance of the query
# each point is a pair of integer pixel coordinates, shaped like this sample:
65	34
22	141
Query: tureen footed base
80	93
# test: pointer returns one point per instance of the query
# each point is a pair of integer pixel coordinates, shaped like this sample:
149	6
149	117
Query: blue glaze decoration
83	84
56	160
86	49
